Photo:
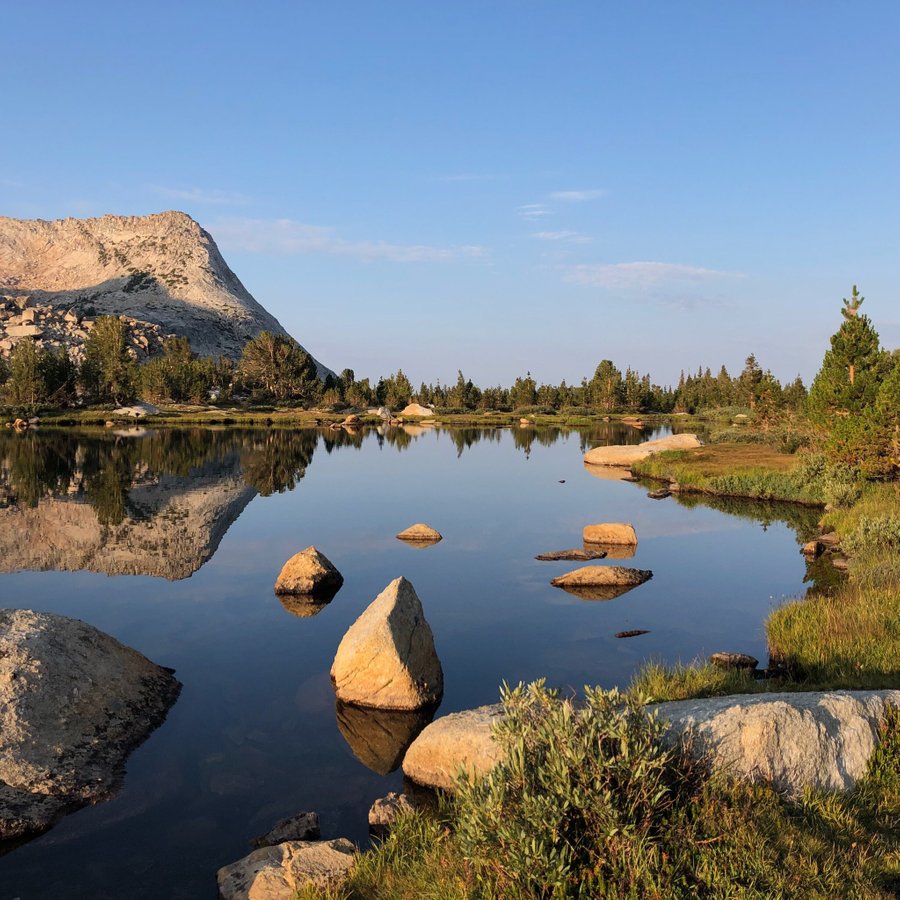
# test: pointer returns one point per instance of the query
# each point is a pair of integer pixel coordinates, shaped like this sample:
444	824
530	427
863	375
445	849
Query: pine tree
25	385
108	373
887	406
852	369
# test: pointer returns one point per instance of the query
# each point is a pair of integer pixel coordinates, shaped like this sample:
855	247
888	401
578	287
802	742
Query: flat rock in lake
420	533
659	494
74	703
574	555
601	582
309	573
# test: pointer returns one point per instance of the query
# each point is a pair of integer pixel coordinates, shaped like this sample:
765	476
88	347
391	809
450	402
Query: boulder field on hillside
628	454
74	703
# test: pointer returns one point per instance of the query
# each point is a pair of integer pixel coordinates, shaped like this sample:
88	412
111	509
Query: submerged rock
459	741
574	555
610	533
309	572
420	533
278	872
788	740
387	658
379	738
659	494
628	454
301	827
74	703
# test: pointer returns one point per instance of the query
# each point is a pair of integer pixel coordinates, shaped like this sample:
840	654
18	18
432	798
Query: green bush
573	809
874	534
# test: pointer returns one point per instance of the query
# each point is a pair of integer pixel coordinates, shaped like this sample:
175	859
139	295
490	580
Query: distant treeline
858	387
274	368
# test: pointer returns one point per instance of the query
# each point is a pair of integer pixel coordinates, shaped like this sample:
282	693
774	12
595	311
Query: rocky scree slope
162	269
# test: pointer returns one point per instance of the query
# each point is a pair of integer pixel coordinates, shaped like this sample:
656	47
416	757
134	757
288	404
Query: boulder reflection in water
379	738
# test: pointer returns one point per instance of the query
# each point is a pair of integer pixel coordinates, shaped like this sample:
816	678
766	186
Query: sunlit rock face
162	269
174	527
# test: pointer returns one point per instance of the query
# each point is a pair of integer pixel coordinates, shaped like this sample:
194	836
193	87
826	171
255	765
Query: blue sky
495	186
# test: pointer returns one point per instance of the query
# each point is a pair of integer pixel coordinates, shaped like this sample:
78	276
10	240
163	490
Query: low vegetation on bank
590	804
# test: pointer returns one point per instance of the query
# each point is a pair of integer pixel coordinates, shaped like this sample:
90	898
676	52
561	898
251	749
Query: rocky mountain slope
162	269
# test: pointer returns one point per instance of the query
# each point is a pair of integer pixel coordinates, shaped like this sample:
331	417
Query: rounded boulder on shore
628	454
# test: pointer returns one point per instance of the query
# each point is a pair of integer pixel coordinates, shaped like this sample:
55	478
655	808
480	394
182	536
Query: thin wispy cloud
579	196
641	275
532	211
565	237
205	196
287	237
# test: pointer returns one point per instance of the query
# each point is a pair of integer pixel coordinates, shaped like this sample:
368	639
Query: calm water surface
171	542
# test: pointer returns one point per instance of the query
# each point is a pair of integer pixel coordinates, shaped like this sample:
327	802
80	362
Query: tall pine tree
852	370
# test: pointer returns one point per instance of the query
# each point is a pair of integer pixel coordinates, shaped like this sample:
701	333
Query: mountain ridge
164	269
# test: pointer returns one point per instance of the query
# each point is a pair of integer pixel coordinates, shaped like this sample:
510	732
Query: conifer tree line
855	395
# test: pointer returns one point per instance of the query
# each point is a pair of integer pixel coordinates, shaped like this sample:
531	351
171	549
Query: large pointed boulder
387	659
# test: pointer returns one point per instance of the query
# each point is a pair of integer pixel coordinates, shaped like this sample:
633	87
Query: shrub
874	534
573	809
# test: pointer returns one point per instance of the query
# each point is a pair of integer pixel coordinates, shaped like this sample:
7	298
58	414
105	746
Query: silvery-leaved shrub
874	534
573	810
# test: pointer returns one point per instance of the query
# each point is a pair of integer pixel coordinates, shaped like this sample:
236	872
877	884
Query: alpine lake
171	540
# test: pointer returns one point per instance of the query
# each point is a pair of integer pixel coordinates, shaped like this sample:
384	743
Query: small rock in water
601	582
635	632
308	572
420	532
831	539
302	827
813	549
734	661
562	480
610	533
575	555
660	494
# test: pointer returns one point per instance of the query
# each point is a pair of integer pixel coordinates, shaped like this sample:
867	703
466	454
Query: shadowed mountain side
179	527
